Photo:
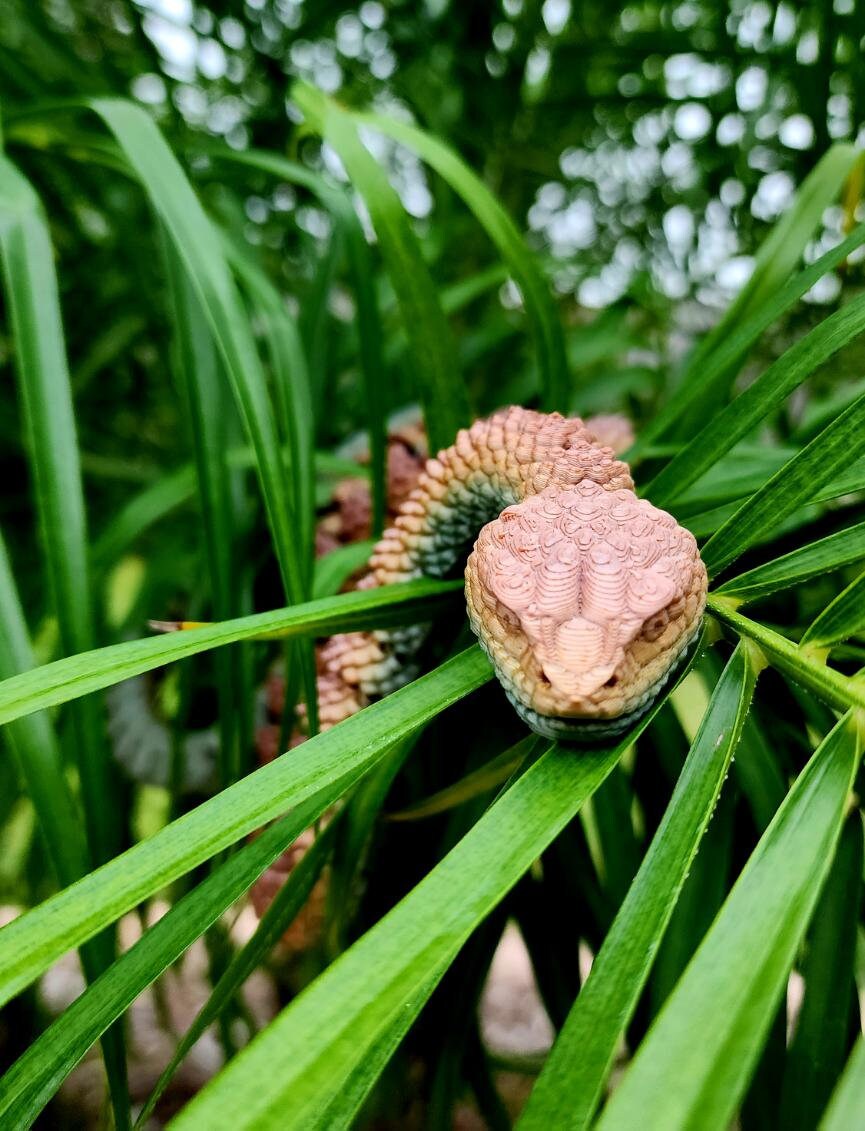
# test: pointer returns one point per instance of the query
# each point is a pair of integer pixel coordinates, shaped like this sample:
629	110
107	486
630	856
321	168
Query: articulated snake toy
584	597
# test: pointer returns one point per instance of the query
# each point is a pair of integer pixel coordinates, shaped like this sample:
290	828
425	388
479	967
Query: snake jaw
584	599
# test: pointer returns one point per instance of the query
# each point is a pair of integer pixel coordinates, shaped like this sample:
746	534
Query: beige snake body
584	597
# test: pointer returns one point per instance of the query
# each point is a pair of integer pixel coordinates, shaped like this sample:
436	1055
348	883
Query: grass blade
291	382
204	393
199	249
35	1077
166	495
618	848
759	774
847	1107
815	1058
482	780
200	381
286	905
360	1006
540	307
830	686
34	309
570	1085
784	245
840	549
763	299
369	330
336	758
738	974
74	676
757	402
335	568
441	388
795	484
844	617
35	746
289	1074
341	1113
293	398
33	303
149	506
362	813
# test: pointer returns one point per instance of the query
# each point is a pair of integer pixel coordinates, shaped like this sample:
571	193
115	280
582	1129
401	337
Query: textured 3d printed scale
584	597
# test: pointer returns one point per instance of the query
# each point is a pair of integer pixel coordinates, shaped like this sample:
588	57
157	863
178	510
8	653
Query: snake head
585	600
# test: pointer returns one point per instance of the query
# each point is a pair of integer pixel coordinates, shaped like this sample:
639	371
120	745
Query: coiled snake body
584	597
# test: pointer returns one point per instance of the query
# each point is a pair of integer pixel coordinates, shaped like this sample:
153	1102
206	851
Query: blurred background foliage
644	147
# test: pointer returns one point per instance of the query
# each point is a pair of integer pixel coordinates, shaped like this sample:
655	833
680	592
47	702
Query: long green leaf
35	745
737	976
78	675
335	568
763	300
829	685
441	387
326	765
570	1085
540	308
293	397
815	1058
758	401
795	484
759	774
155	502
291	386
354	1014
837	550
286	906
170	492
200	380
34	309
200	251
205	394
341	1113
784	245
360	265
33	304
843	617
35	1076
288	1075
482	780
847	1107
362	813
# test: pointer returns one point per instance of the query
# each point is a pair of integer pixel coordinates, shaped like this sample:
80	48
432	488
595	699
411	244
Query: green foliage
568	1089
200	321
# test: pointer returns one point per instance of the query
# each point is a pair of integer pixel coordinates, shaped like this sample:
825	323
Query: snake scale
584	597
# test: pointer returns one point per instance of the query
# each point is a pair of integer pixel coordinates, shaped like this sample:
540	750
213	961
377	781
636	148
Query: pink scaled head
585	599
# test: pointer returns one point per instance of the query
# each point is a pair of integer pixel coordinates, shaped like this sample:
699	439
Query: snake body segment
584	597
